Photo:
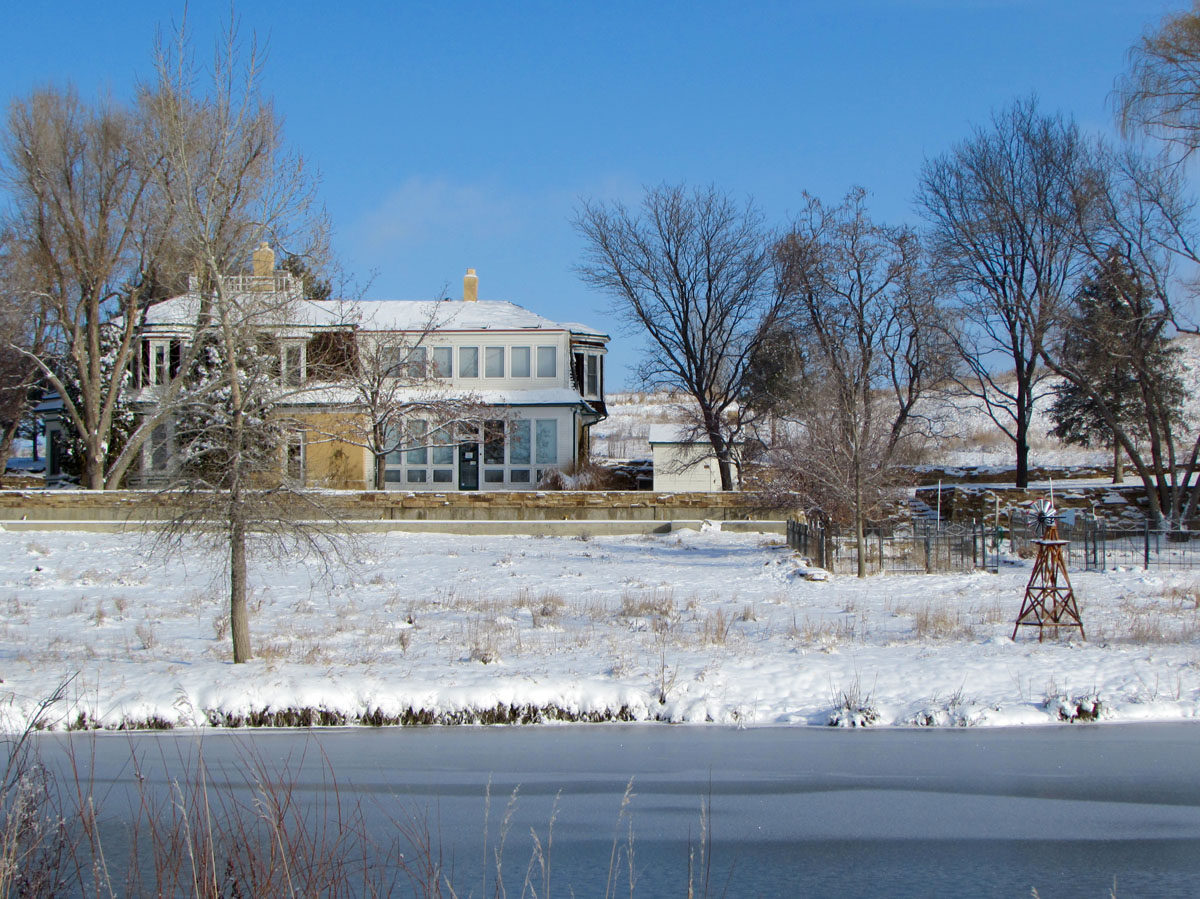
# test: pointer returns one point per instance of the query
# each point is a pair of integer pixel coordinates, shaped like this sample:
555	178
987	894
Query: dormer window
160	361
589	374
293	363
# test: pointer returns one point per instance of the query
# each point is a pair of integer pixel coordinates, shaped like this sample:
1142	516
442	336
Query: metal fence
1096	546
922	548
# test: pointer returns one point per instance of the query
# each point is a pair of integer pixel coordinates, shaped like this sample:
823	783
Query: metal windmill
1049	597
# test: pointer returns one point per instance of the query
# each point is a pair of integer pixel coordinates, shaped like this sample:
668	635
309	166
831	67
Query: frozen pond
794	811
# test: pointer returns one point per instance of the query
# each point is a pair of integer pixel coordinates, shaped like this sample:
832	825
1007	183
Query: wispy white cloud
423	210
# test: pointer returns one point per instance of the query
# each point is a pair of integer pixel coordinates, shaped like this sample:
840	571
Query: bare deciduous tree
1160	94
692	269
88	233
871	345
231	184
1003	212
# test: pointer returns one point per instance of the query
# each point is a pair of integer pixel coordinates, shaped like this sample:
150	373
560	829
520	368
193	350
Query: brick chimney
264	266
470	287
264	260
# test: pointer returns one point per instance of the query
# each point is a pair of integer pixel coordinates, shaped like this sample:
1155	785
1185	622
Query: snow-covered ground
692	626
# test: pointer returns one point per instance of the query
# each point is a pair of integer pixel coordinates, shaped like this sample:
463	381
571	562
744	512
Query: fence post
928	557
1147	552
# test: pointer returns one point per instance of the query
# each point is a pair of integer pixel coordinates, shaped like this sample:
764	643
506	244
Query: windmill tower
1049	597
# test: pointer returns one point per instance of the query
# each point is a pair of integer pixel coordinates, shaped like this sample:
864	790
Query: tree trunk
859	538
6	443
1022	444
239	619
380	472
726	470
1118	464
94	471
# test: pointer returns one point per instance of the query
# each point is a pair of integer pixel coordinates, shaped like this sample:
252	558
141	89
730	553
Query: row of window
498	361
160	362
509	449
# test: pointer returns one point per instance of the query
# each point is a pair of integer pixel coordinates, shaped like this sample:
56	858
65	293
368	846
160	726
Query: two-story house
535	385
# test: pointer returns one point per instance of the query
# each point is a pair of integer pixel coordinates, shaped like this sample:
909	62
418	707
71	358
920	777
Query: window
415	363
547	362
493	362
159	361
468	362
519	475
391	441
441	453
295	456
160	354
493	443
404	362
519	361
518	451
419	454
293	364
443	362
547	441
493	475
415	475
443	476
159	447
593	375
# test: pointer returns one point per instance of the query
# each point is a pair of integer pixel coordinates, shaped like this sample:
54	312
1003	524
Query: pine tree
1117	336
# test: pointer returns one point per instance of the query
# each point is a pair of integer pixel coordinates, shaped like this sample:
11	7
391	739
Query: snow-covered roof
182	311
387	315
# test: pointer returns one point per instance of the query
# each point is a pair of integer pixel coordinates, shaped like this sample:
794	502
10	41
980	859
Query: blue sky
459	134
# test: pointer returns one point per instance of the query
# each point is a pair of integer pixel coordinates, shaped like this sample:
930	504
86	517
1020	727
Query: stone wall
118	505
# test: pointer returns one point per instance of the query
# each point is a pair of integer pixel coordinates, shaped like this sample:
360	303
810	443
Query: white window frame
553	362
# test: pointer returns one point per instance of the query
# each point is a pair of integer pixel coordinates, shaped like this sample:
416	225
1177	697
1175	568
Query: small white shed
684	463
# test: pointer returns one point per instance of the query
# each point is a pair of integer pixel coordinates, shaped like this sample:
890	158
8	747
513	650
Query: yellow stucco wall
329	461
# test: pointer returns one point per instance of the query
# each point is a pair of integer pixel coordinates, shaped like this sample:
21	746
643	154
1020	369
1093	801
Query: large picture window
493	443
518	450
419	454
547	441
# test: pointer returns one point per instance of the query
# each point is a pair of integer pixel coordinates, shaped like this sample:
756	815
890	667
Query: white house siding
683	464
678	469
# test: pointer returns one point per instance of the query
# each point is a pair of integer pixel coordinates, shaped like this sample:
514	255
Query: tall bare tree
871	338
1003	211
88	233
692	270
231	185
21	343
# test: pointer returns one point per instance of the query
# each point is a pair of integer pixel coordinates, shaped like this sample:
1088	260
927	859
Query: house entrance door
468	466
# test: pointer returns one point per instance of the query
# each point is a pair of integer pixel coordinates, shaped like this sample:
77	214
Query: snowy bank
687	627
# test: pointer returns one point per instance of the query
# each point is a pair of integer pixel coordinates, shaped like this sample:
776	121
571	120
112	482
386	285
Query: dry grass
715	630
938	622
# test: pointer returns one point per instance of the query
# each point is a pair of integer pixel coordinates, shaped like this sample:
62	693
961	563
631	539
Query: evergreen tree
1116	335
